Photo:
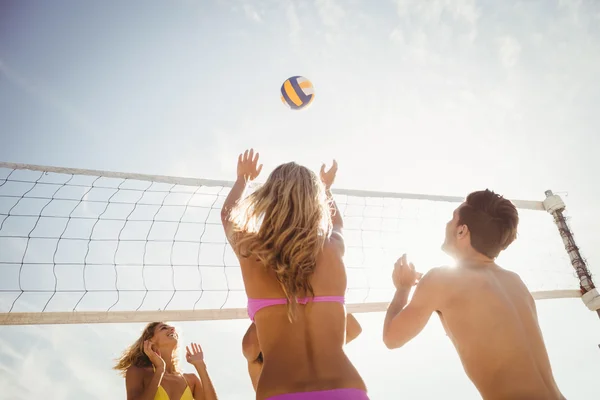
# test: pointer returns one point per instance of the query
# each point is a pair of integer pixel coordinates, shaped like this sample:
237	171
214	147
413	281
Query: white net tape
78	242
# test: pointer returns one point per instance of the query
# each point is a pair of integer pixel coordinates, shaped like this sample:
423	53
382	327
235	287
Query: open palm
154	356
328	177
247	167
195	355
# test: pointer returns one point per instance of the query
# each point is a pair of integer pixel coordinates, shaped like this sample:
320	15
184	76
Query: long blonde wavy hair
134	355
284	224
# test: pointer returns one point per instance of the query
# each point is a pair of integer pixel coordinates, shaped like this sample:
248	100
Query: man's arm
403	322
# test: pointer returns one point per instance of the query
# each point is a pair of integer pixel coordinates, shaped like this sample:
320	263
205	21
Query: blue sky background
439	97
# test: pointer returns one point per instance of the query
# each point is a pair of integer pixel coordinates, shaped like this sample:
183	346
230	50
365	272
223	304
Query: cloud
397	35
330	12
433	11
331	15
7	351
423	23
35	360
295	27
44	96
67	361
509	50
251	12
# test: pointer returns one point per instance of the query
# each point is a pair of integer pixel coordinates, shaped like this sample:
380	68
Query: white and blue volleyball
297	92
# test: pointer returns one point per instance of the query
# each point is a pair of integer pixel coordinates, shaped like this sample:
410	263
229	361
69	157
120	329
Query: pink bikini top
254	305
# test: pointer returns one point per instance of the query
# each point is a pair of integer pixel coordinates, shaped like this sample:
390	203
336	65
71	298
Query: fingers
332	170
250	158
401	261
404	270
196	348
149	350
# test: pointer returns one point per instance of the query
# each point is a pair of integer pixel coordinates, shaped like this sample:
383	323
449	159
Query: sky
439	97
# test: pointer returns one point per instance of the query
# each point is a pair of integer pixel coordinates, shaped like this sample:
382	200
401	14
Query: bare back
306	355
491	318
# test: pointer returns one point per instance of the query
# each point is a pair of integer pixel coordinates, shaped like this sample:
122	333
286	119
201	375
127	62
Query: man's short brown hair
492	221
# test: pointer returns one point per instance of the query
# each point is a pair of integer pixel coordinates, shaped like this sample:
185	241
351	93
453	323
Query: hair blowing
284	224
134	355
492	222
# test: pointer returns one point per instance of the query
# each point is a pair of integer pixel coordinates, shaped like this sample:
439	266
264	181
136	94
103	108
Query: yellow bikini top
161	393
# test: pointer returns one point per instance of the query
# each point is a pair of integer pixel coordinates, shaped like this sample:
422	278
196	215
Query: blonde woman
288	238
151	372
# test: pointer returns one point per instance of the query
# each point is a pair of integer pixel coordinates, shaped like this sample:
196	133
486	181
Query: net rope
89	242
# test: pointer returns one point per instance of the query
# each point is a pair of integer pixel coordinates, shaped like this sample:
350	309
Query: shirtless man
487	311
253	354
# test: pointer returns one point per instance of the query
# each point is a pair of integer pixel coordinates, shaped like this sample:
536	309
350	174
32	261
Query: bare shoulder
516	283
192	381
444	281
512	275
191	378
508	277
137	377
136	372
440	275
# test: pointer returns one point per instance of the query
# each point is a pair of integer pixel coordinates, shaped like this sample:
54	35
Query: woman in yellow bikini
151	371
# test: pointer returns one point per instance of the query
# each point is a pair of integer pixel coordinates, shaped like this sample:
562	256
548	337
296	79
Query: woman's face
164	335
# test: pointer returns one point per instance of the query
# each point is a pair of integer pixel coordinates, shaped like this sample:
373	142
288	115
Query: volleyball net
83	246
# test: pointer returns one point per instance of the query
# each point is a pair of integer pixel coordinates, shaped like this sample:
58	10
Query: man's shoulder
511	274
444	280
438	279
436	287
441	274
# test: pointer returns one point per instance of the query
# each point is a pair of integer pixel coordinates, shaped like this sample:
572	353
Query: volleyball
297	92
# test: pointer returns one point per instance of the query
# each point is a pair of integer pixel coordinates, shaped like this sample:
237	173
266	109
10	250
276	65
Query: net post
590	296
